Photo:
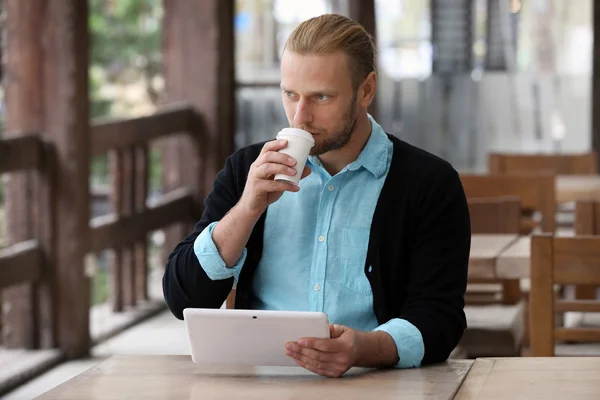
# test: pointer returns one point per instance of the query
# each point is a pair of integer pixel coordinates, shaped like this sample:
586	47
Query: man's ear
367	89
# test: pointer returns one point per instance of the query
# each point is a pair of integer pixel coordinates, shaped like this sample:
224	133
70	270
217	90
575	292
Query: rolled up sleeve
211	261
408	340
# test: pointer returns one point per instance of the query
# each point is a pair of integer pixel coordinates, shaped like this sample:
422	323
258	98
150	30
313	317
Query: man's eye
288	94
322	97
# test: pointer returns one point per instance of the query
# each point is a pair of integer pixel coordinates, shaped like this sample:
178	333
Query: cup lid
297	132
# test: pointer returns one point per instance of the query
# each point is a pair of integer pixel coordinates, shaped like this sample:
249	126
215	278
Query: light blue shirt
315	248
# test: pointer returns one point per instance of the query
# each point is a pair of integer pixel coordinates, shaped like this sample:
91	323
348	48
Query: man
376	235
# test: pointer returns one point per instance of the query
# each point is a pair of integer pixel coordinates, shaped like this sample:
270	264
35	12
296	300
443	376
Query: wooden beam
362	11
116	259
66	119
27	152
198	36
23	79
44	217
577	306
127	210
198	54
20	152
596	80
141	249
110	134
541	297
20	263
589	335
111	231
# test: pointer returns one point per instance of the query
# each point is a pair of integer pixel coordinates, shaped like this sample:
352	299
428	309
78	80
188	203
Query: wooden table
485	252
176	377
575	187
533	378
514	262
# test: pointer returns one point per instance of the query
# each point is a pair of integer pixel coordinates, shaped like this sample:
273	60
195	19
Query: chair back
558	164
561	261
535	191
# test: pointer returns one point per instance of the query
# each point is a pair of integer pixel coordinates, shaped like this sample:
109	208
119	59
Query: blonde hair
332	32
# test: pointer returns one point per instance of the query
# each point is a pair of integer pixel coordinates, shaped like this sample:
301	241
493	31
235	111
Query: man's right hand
261	189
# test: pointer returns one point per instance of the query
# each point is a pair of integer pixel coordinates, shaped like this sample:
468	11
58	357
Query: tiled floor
163	334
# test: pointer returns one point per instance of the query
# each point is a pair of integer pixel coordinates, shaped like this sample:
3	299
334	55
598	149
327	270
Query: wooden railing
125	230
29	261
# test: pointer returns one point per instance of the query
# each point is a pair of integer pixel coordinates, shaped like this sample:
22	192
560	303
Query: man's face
318	97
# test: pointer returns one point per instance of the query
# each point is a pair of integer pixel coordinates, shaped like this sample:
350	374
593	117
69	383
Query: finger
336	359
274	145
276	158
336	330
334	373
332	331
273	186
306	172
316	355
306	360
270	169
327	345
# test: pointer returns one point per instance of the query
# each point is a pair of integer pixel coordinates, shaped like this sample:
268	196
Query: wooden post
541	297
362	11
46	77
44	216
128	278
116	265
22	76
198	49
596	82
586	221
140	252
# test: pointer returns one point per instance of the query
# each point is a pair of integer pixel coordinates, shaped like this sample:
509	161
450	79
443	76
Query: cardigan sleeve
185	283
438	266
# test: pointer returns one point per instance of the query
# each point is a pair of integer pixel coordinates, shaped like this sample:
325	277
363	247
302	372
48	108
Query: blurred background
459	78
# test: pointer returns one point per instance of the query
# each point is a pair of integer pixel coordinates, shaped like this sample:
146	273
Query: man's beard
341	138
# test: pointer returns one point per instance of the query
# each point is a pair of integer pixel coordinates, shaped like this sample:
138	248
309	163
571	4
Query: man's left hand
344	349
328	357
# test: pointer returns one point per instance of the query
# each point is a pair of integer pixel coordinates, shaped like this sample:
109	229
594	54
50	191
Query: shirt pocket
354	254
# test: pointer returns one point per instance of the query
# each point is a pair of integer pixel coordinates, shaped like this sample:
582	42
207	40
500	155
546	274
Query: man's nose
303	115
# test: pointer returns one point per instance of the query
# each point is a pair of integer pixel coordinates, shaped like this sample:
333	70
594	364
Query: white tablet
249	337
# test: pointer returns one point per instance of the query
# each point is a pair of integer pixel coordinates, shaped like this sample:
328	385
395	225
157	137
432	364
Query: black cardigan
418	248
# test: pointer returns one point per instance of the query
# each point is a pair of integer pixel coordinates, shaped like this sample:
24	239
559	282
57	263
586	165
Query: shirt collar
373	156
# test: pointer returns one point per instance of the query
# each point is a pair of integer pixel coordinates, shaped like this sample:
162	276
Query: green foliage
125	37
99	105
154	170
126	47
99	169
100	284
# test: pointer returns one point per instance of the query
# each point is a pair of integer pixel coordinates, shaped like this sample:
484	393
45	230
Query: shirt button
330	187
321	238
317	287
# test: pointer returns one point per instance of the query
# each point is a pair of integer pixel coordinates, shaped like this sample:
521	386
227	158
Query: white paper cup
299	144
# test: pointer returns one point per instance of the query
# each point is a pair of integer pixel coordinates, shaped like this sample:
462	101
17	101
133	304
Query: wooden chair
558	164
587	222
494	308
536	192
495	214
489	216
561	261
